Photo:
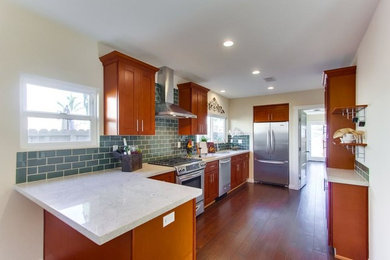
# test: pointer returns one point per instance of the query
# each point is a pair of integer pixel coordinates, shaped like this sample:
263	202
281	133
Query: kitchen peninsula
116	215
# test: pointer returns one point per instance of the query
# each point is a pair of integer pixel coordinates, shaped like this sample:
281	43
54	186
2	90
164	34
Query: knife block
131	162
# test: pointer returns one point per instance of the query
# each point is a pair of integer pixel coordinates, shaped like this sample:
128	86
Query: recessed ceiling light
228	43
271	87
223	91
255	72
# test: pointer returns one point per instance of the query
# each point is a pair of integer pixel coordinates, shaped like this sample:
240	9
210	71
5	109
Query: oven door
193	179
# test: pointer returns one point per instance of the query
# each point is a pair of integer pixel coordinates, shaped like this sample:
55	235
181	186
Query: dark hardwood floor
267	222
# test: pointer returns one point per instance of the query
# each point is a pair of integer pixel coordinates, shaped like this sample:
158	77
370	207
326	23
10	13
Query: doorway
316	141
311	140
316	131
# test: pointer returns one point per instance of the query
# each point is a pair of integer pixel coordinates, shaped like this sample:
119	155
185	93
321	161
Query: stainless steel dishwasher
224	176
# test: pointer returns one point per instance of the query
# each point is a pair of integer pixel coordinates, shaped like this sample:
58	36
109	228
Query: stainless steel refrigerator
270	143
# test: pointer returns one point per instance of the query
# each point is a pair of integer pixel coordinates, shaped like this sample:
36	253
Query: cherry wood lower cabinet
239	170
148	241
347	215
211	182
175	241
167	177
63	242
245	167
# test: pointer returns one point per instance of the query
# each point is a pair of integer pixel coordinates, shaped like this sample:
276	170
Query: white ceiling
293	41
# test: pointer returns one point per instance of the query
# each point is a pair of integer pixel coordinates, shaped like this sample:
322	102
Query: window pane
217	129
44	99
317	141
49	130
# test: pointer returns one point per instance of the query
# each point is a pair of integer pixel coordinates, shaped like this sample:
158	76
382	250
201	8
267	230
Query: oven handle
190	176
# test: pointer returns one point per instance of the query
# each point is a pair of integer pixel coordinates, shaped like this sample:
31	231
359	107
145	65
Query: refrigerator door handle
273	141
268	146
271	162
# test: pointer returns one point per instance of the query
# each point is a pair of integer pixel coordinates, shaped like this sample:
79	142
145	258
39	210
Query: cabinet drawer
211	166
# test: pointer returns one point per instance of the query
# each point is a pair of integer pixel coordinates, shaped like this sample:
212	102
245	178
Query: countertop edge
223	156
60	216
145	219
144	172
334	175
100	240
155	173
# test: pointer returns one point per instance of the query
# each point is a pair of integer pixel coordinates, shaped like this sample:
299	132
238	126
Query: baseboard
293	187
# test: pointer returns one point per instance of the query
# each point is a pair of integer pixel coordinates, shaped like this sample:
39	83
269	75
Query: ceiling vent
269	79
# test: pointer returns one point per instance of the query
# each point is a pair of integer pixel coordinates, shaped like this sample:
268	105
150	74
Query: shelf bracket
350	148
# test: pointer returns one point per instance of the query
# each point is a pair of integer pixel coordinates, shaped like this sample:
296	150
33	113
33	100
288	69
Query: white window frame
209	129
61	85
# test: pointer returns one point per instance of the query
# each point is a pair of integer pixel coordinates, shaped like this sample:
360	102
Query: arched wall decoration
215	107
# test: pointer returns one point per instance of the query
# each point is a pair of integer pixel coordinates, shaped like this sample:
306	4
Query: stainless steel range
189	172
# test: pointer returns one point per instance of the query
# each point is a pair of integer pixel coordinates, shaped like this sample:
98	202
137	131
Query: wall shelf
356	113
346	110
354	149
352	144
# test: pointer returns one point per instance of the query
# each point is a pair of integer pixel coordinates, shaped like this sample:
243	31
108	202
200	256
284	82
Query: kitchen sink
209	156
223	152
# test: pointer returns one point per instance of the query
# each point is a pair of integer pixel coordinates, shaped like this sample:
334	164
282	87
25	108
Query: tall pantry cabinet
339	92
346	204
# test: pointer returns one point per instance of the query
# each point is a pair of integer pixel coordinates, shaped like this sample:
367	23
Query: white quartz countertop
104	205
221	155
149	170
345	177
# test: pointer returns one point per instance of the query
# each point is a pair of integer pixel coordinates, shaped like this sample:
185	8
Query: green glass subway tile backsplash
33	166
362	170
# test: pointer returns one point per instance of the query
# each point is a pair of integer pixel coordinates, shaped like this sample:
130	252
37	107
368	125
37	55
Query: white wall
33	45
316	118
373	88
222	101
241	116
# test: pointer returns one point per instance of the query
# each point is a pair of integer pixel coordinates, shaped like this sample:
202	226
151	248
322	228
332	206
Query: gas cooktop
175	161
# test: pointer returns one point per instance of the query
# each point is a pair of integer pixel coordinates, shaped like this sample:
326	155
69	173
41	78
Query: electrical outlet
114	147
239	141
168	219
178	144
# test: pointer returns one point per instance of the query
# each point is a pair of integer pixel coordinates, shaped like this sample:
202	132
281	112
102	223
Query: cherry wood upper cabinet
129	95
340	91
271	113
193	98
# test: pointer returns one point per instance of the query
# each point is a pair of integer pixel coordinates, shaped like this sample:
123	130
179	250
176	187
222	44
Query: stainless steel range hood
167	108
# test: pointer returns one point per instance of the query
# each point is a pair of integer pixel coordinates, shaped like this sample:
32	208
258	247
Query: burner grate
174	161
